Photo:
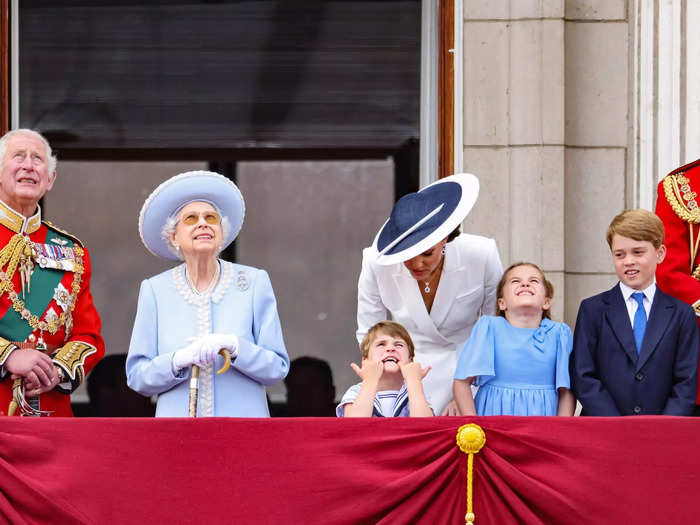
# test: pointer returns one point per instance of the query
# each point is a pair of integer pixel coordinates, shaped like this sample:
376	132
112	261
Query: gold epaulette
681	197
52	226
71	358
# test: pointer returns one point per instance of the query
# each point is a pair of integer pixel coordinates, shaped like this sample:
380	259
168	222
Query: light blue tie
640	320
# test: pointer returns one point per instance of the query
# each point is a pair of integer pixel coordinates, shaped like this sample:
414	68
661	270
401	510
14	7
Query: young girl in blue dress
519	358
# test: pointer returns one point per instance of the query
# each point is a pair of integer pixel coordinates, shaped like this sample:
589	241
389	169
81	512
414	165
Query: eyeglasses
210	217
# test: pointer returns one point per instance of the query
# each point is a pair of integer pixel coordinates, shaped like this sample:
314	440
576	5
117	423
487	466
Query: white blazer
467	289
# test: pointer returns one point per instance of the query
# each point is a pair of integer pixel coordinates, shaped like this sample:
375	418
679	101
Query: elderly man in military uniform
677	206
49	327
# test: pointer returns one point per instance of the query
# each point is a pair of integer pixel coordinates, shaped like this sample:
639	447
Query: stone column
596	138
514	129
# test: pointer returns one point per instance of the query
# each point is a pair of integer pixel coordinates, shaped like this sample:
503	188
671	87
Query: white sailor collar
17	222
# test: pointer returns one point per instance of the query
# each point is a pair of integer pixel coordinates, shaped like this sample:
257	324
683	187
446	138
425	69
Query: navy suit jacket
610	379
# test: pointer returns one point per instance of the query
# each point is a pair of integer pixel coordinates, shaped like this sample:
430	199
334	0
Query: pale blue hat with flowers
420	220
192	186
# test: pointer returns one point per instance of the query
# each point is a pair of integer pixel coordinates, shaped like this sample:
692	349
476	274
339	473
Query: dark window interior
221	79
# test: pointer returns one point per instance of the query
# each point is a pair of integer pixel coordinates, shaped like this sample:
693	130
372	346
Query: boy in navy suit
635	348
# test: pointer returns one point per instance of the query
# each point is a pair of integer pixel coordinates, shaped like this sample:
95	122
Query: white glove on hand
186	357
210	345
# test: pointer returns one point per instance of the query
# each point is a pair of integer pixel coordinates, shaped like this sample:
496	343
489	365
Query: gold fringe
686	214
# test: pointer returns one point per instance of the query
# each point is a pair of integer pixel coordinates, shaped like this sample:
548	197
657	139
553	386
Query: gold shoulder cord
11	256
677	190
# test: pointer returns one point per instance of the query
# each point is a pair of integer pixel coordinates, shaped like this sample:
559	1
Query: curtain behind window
248	74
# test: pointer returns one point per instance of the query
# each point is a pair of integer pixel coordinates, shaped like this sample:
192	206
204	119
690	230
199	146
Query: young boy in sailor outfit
391	381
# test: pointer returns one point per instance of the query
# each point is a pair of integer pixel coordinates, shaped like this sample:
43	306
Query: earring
443	250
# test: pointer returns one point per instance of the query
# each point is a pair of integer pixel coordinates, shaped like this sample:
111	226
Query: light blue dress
518	370
170	312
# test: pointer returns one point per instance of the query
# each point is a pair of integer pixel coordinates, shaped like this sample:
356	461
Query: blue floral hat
420	220
192	186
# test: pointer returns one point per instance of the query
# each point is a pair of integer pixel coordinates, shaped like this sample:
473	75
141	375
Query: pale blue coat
169	313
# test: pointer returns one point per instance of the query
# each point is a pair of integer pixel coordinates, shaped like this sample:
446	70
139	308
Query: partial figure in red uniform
677	206
49	327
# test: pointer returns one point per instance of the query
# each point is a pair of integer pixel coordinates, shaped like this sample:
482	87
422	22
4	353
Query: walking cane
194	380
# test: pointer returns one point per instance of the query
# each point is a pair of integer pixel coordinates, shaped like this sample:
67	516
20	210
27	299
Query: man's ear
52	179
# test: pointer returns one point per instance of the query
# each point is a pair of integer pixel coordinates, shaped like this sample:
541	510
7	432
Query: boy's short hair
391	328
638	225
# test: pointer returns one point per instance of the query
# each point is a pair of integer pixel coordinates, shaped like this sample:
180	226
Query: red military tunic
57	308
677	206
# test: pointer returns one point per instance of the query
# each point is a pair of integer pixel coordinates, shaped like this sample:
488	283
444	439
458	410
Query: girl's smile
524	290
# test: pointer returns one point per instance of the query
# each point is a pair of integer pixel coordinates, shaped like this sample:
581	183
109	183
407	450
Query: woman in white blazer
421	272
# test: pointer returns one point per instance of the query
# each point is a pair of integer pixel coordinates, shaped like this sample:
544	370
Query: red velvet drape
392	471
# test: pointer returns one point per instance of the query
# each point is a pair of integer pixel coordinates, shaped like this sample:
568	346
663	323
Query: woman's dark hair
455	233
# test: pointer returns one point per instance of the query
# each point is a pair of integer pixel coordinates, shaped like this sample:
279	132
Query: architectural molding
458	92
665	101
429	92
14	64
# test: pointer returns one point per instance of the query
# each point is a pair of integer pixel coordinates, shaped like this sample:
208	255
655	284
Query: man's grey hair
25	131
169	229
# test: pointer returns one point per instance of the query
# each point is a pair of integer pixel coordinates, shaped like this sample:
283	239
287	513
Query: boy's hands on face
371	370
413	371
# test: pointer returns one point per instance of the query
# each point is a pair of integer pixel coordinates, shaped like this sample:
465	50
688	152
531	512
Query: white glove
188	356
210	345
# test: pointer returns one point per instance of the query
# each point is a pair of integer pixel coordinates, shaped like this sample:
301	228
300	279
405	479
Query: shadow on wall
110	396
310	390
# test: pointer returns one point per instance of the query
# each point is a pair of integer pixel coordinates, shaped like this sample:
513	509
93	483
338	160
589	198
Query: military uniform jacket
677	206
56	306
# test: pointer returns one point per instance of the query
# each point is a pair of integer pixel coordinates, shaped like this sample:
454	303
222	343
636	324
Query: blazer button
639	376
637	410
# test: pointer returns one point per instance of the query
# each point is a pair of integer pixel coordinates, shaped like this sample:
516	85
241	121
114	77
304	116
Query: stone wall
546	129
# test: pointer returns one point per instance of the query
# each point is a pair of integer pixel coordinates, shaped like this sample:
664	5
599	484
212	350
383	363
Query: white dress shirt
632	303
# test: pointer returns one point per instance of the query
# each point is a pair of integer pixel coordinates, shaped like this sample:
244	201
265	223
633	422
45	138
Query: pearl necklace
212	283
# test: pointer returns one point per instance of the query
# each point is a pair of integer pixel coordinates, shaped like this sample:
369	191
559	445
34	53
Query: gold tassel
18	252
470	440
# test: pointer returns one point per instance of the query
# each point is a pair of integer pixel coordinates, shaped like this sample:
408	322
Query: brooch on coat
242	281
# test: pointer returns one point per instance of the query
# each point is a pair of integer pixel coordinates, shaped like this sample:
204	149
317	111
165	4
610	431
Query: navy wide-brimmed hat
192	186
420	220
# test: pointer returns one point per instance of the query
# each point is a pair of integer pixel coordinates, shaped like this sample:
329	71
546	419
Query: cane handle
227	361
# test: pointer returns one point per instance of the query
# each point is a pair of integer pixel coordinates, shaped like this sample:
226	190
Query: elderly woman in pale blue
188	314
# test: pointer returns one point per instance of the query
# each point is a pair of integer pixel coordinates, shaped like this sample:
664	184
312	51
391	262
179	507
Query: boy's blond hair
638	225
391	328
